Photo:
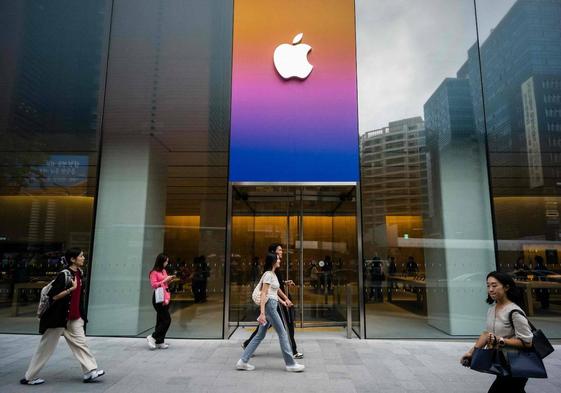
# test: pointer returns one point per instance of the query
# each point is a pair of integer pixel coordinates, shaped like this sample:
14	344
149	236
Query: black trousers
286	317
199	290
508	385
163	320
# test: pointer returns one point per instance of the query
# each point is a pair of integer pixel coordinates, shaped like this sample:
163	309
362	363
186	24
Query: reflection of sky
405	49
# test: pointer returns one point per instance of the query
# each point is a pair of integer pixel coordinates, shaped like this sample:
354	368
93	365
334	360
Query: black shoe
298	355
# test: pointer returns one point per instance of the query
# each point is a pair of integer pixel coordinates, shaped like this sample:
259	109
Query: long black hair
73	252
270	260
512	293
159	264
273	248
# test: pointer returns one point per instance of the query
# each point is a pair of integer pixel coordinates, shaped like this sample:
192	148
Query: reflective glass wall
459	161
163	173
52	69
521	79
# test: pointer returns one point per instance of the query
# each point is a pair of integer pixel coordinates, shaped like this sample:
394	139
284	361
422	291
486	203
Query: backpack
44	300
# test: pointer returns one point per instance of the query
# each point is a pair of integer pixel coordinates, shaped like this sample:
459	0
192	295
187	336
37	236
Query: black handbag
540	343
526	364
490	361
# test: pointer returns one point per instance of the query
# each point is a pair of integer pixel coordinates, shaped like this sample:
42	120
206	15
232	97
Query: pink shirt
157	280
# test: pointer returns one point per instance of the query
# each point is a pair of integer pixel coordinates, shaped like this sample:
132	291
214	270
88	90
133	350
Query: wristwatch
501	342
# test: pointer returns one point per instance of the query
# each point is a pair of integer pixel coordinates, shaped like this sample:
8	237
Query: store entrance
317	228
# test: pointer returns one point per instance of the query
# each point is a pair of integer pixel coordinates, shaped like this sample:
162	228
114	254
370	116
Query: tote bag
526	364
159	295
490	361
540	343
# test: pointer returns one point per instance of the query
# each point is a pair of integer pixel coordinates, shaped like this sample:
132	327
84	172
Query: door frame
228	330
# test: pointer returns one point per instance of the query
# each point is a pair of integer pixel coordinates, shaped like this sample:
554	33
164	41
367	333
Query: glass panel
163	175
51	77
261	216
426	218
521	69
330	253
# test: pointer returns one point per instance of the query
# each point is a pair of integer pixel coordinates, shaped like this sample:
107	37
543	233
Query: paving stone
333	365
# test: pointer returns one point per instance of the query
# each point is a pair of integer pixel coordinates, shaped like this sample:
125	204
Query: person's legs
246	342
508	384
255	341
166	321
76	339
274	318
203	291
290	327
162	322
44	351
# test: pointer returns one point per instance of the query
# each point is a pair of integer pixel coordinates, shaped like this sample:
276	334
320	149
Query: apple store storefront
396	161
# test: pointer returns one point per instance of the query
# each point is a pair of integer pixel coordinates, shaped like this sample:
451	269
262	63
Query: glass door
317	229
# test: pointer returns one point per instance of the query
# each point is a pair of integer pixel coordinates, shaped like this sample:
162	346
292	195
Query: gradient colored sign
294	130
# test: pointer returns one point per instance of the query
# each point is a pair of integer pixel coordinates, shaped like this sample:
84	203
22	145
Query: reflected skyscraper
394	178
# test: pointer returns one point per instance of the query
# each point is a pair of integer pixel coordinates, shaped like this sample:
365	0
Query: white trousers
76	339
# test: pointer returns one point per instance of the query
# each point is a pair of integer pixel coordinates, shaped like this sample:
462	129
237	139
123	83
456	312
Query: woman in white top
269	316
504	297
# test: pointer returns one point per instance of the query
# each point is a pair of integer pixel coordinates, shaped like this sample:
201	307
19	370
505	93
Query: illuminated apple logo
291	61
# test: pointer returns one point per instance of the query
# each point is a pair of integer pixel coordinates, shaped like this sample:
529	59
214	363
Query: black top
57	314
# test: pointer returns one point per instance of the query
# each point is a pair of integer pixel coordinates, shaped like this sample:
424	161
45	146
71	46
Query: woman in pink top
159	278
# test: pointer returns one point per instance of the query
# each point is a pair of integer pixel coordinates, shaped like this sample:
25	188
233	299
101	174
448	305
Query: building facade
411	160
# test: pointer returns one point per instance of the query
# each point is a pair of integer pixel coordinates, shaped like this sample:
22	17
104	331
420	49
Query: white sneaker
151	342
295	368
93	375
162	346
36	381
241	365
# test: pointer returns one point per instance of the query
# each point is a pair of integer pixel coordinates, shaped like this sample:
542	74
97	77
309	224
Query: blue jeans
273	318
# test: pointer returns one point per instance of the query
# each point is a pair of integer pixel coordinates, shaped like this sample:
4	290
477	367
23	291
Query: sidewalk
333	364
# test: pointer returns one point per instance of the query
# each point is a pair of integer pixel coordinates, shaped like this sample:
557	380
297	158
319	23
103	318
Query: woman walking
268	316
286	312
504	297
159	278
65	316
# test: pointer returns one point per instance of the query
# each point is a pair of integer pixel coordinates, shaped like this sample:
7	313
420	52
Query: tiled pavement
333	364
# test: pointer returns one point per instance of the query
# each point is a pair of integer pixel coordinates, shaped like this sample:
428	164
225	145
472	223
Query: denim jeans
273	318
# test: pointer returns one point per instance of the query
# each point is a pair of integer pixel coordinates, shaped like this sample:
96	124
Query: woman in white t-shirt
269	316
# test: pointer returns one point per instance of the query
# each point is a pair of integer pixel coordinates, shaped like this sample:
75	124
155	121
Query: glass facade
114	137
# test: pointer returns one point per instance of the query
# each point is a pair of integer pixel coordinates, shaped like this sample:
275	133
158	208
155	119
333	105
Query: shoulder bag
527	363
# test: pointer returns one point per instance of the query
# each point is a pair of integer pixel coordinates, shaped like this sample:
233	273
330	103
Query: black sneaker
36	381
298	355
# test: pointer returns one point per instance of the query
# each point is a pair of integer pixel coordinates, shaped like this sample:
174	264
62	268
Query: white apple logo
291	61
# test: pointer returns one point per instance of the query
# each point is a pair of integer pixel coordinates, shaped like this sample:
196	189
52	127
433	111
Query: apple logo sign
291	60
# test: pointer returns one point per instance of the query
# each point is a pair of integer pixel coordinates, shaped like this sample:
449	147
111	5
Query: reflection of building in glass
52	94
521	68
394	178
53	88
449	113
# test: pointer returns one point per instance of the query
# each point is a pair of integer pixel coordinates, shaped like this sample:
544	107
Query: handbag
526	364
540	343
256	295
159	295
490	361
